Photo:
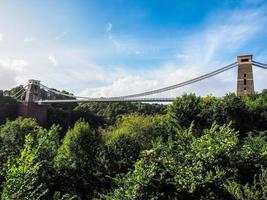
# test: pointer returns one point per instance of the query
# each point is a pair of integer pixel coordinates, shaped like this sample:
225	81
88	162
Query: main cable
161	90
68	95
194	80
263	66
259	63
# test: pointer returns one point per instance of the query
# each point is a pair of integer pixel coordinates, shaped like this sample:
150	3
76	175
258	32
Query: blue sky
119	47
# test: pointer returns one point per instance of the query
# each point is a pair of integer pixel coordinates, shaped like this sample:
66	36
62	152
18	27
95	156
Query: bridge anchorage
34	106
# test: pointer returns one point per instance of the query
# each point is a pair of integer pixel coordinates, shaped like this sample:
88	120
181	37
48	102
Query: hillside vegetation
195	148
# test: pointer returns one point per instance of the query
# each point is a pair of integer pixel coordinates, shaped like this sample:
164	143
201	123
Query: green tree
12	138
14	92
133	134
76	161
251	156
185	167
110	112
8	108
184	110
231	108
256	105
30	175
255	191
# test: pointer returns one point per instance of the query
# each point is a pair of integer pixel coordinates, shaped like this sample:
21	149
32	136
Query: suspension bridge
33	104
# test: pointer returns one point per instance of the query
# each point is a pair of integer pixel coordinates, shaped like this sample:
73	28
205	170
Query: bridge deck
106	100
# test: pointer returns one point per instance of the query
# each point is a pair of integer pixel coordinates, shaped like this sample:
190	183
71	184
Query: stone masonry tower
30	109
33	92
245	83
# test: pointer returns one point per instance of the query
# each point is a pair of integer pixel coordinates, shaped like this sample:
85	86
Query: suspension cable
194	80
164	89
255	62
263	66
57	92
63	94
17	93
161	90
18	97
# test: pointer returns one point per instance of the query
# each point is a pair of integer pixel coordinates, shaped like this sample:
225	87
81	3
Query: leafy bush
185	167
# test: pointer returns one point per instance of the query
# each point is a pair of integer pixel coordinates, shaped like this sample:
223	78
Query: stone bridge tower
30	109
245	83
33	92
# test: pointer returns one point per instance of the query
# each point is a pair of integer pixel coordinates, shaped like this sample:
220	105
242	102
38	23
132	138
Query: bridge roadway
144	100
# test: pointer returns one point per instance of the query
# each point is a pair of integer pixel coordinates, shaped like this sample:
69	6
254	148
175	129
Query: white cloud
1	36
52	59
8	78
61	35
13	64
128	83
181	55
10	70
223	36
29	39
19	64
211	47
118	46
109	27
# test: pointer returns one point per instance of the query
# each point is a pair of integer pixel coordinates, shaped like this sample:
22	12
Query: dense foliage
8	108
195	148
98	114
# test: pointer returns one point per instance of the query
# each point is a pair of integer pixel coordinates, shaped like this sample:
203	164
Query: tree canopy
195	148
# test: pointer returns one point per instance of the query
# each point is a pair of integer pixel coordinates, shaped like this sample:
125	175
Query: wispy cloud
125	83
1	36
29	39
224	36
7	77
116	44
181	56
52	59
120	45
108	27
215	44
61	35
10	71
13	64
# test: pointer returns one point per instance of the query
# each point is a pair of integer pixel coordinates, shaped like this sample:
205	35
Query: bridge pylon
30	109
33	92
245	83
